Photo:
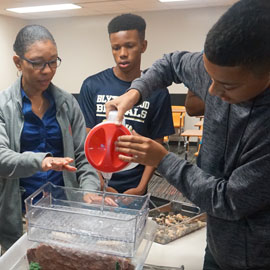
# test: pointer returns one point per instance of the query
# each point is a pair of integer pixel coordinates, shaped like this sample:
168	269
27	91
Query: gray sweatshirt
14	165
233	182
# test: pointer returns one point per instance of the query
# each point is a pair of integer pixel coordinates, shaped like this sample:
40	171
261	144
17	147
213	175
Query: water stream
106	177
106	181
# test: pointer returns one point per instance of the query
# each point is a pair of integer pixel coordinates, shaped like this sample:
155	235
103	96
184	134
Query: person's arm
123	103
194	104
243	194
177	67
86	174
146	177
12	163
88	109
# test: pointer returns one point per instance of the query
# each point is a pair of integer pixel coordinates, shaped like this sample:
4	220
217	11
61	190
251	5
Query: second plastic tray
174	227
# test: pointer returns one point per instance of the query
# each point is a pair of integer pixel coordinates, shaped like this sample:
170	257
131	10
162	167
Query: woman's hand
142	150
123	103
57	164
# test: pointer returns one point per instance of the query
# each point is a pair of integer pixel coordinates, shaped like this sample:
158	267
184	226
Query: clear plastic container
59	216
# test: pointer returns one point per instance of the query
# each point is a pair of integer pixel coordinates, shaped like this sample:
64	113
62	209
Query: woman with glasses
42	132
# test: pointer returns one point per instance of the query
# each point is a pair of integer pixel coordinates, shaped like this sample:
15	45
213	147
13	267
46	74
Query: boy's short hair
126	22
241	37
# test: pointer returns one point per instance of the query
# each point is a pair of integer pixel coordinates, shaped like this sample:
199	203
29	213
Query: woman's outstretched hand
58	164
142	150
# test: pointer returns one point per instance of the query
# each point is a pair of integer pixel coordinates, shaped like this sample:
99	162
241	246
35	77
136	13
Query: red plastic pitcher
100	146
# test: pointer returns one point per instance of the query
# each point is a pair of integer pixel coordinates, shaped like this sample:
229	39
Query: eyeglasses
53	64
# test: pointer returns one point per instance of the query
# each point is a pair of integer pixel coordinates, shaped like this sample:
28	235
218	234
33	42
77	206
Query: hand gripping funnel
100	146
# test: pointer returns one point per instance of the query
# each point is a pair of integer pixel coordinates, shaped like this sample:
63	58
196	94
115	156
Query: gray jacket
14	164
233	183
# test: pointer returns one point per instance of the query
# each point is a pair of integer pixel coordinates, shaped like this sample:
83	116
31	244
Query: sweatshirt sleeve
177	67
86	174
14	164
244	193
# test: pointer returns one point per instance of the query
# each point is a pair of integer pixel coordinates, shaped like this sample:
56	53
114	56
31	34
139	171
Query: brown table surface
199	124
192	133
178	110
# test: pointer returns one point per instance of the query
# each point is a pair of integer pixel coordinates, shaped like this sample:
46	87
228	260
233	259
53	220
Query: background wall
83	43
8	30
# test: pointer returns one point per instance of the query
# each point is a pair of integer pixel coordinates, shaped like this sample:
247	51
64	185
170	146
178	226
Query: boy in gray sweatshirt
232	184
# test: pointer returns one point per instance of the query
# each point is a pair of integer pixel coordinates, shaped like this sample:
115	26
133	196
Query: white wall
83	42
8	30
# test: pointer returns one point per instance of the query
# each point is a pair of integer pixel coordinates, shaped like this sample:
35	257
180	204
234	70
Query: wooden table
190	133
199	124
178	115
178	110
